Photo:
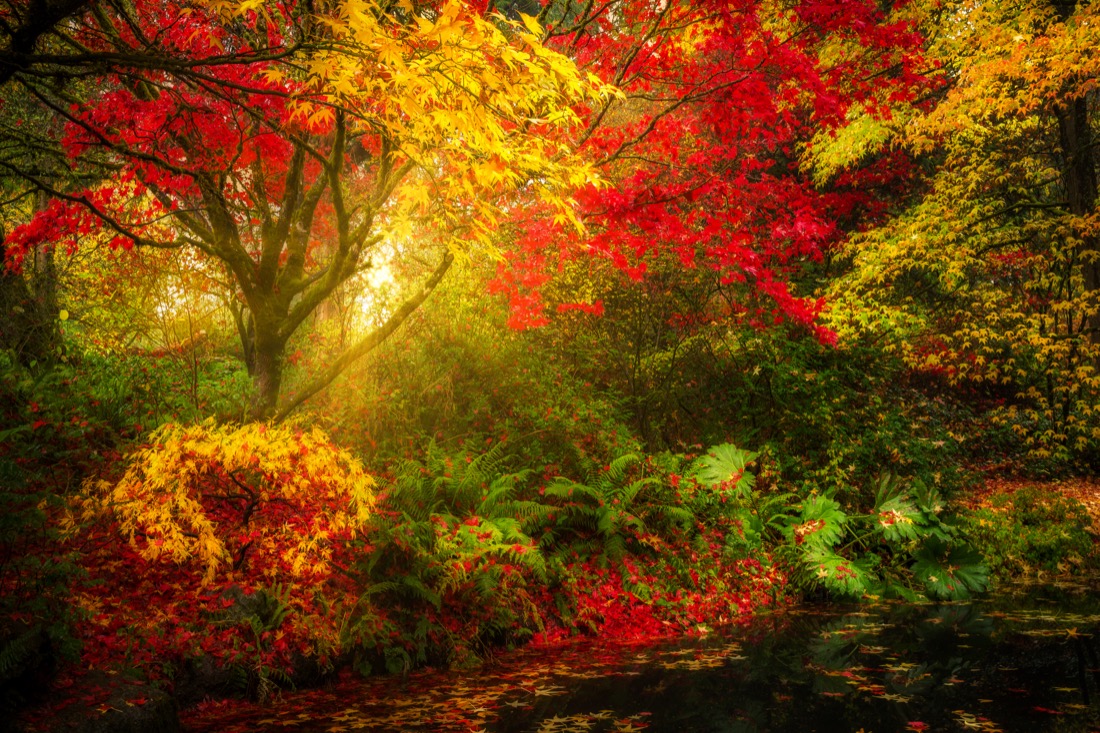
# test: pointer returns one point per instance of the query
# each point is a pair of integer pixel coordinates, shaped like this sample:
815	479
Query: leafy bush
830	418
224	541
1032	531
901	547
448	568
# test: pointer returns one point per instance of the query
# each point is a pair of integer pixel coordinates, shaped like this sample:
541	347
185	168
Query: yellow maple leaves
210	494
478	105
478	108
981	277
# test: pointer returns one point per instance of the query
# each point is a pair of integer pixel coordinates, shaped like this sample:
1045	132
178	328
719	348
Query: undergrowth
1032	532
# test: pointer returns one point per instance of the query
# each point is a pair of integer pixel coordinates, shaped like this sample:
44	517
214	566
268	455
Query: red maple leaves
703	152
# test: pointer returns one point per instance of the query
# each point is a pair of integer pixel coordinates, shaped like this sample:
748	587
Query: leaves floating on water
1010	665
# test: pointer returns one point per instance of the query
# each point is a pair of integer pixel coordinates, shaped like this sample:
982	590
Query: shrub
903	546
464	555
448	569
227	541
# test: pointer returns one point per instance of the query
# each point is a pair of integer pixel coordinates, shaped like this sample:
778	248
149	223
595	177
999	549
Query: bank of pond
1024	658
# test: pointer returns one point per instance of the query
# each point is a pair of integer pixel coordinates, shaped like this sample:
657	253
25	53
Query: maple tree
989	275
703	147
324	140
287	145
226	497
242	537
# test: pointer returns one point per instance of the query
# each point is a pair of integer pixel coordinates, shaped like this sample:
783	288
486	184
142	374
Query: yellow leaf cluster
980	277
478	105
193	490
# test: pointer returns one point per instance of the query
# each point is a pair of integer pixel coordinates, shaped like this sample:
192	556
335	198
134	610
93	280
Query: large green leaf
950	571
840	575
898	519
889	488
725	462
820	524
927	498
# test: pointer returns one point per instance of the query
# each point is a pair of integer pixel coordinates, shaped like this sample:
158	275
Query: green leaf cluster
902	546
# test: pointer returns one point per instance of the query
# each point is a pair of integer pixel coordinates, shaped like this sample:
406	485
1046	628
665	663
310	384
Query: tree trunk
1079	177
15	302
28	301
45	291
268	378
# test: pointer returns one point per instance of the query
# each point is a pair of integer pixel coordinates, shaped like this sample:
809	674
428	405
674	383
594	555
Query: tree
704	146
23	26
989	274
287	144
715	227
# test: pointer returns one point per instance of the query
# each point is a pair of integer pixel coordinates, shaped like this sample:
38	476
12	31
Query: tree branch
369	342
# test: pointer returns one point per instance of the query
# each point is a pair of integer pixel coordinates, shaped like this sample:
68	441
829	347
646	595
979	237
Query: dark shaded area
1022	660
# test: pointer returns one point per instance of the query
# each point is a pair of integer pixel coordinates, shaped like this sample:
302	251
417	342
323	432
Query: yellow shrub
273	498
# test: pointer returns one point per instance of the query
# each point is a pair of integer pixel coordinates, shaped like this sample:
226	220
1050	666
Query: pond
1023	659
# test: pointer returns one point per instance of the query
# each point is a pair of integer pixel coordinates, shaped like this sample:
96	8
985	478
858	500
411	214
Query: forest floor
1084	489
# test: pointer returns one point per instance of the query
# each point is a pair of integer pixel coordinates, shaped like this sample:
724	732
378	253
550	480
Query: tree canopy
287	144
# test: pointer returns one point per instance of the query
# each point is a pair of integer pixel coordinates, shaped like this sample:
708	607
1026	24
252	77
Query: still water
1023	659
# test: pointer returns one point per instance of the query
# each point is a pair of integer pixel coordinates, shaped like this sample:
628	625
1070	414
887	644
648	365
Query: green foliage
70	415
901	547
844	416
612	508
1032	531
464	554
950	571
833	151
459	376
725	463
838	574
268	610
830	418
448	548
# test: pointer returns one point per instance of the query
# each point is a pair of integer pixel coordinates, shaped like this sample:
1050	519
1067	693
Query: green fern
16	651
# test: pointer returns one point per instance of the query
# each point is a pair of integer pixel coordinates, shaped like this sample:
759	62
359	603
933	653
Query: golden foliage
478	106
981	277
274	495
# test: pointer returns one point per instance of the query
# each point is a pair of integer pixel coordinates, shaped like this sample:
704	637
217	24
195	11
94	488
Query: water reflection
1024	659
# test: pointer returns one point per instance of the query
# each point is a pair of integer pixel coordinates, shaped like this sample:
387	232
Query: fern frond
421	591
615	548
563	488
627	495
15	652
486	585
674	514
617	469
526	511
